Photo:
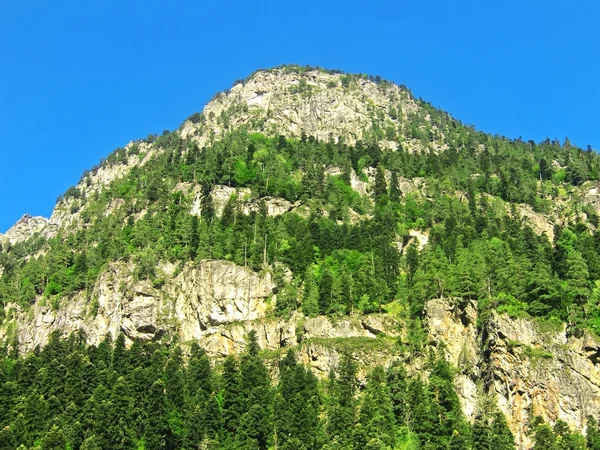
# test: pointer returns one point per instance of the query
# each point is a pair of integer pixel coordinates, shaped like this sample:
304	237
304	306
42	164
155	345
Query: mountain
333	213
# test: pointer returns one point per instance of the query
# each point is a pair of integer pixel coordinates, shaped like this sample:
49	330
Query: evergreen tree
326	292
232	397
482	435
502	437
155	429
544	437
194	237
296	405
310	301
376	418
206	203
593	434
380	185
578	277
397	380
257	418
395	192
341	407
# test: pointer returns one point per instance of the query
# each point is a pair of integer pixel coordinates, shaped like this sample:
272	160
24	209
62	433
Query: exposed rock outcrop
314	103
213	302
528	367
25	228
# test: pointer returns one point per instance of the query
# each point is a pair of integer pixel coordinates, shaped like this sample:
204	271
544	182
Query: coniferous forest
344	252
152	396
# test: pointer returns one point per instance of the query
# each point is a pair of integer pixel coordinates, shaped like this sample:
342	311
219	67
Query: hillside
334	215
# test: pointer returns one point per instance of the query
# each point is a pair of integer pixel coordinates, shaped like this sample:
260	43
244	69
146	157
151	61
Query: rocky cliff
527	367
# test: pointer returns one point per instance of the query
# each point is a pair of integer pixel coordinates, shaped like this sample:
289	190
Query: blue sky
81	78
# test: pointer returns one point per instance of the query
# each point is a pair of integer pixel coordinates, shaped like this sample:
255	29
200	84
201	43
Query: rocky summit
441	284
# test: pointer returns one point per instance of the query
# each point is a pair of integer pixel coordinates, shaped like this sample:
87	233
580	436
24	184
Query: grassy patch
513	344
352	344
552	325
537	353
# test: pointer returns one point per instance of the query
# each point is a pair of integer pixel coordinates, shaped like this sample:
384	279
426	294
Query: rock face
203	296
538	222
528	367
25	228
213	302
221	194
314	103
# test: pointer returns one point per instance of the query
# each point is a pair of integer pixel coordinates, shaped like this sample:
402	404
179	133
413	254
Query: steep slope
330	211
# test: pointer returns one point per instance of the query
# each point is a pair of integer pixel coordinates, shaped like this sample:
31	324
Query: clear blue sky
81	78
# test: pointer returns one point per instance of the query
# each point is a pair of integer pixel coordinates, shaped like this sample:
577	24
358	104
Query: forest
343	249
156	396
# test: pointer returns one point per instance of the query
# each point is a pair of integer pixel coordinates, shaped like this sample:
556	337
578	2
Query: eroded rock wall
527	367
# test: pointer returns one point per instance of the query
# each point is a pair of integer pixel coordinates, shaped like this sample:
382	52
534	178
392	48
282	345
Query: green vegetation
479	247
537	353
152	396
561	437
334	252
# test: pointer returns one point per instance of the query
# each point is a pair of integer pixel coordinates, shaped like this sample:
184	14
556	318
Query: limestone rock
313	103
421	239
538	222
526	366
218	293
592	197
25	228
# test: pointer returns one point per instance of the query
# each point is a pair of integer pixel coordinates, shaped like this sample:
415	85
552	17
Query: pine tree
194	236
229	211
482	434
206	204
326	291
341	408
467	281
257	419
376	418
397	380
380	185
593	434
502	437
174	396
232	397
120	363
310	300
296	404
395	192
544	437
120	409
412	261
578	277
445	423
155	429
566	439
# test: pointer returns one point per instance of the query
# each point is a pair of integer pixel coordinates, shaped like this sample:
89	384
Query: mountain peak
292	101
25	227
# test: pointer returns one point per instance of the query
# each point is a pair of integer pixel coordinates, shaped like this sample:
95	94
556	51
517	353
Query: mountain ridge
329	211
